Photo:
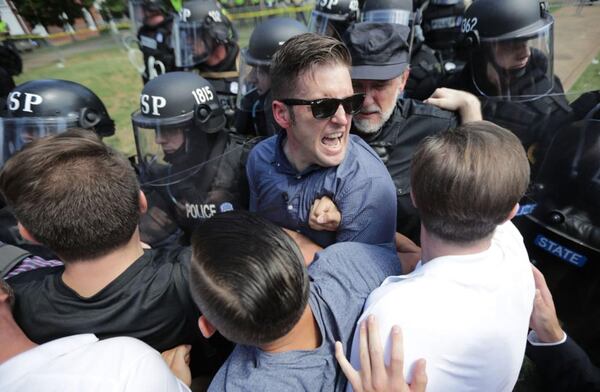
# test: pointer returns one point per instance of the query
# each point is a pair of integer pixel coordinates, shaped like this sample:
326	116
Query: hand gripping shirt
360	187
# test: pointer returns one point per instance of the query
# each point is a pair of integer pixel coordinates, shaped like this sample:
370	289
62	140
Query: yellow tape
120	26
268	12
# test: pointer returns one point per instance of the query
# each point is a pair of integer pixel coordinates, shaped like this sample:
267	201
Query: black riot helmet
333	17
40	108
176	110
442	20
198	28
142	12
511	43
265	40
268	36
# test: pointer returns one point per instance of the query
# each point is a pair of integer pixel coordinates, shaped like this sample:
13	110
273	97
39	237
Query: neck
433	247
88	277
12	339
290	149
305	335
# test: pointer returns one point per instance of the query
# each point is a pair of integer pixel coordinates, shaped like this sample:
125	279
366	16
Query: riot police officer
191	167
426	69
510	68
40	108
332	18
154	21
561	228
254	115
206	41
442	20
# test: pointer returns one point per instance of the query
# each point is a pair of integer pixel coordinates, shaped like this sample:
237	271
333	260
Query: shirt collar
33	359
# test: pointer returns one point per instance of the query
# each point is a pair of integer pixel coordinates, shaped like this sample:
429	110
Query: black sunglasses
326	107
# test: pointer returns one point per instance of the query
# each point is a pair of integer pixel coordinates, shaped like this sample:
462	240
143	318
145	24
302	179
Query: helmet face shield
255	81
517	69
324	24
160	144
402	17
191	43
17	132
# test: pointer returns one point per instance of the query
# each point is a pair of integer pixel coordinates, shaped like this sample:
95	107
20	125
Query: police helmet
333	17
268	36
265	40
512	38
142	11
442	20
198	28
177	99
40	108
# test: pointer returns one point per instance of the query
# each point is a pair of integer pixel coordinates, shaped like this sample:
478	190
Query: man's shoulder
354	260
264	150
249	368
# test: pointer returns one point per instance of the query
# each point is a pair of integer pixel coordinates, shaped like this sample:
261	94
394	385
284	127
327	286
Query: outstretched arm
467	105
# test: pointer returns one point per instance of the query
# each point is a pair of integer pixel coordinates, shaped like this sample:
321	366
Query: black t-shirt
149	301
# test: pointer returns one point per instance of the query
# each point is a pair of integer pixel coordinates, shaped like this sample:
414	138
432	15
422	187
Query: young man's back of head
248	278
73	194
466	181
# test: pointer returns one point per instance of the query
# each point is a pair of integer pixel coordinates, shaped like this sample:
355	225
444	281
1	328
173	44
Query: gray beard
369	128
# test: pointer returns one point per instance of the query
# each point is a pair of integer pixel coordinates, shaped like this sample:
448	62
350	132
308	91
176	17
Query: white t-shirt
467	315
82	363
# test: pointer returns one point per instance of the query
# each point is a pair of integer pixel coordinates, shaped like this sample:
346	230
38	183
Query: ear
404	78
281	113
513	212
206	327
412	198
26	234
143	202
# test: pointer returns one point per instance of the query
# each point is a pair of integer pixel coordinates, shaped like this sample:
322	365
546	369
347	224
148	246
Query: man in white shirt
466	306
79	362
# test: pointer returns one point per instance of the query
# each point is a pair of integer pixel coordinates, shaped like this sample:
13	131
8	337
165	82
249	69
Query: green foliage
50	12
114	8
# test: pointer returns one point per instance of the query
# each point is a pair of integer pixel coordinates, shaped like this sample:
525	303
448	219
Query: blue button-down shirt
360	186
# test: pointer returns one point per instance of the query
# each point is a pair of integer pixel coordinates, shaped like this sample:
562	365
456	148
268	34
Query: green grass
110	75
588	81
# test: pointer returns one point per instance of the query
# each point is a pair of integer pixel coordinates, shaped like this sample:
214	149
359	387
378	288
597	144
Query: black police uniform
562	234
217	185
533	121
155	44
396	142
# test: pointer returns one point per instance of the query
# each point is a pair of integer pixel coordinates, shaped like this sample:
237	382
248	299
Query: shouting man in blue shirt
315	156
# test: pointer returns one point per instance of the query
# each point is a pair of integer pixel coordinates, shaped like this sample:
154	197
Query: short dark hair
466	181
73	194
247	277
5	287
300	54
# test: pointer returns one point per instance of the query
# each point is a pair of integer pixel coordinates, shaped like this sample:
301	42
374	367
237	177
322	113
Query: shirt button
290	207
298	177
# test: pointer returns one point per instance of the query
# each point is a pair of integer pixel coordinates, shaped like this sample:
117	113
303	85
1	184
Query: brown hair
73	194
300	54
466	181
